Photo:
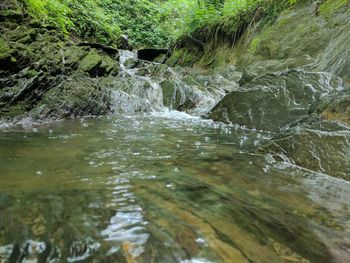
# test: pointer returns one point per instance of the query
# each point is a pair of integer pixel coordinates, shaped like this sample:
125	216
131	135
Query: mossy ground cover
331	6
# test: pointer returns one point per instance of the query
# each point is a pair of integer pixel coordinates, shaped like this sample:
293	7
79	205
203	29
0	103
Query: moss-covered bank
36	60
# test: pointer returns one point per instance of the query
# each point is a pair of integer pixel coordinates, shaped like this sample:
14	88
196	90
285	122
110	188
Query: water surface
162	187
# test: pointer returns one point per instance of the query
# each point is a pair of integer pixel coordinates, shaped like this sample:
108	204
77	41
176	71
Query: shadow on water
162	188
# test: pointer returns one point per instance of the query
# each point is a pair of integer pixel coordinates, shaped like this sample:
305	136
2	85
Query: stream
152	184
162	187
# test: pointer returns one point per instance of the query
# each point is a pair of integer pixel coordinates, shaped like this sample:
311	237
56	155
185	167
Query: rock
124	43
97	64
10	10
336	57
339	110
315	144
229	72
259	68
109	50
171	96
78	96
272	101
177	96
7	61
333	107
131	63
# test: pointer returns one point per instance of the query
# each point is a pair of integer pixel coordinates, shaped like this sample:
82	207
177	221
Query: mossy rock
79	96
272	101
318	145
330	7
131	63
97	64
171	95
185	57
338	110
177	96
10	10
7	61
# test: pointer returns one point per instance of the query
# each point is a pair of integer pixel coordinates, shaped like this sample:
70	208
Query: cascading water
143	86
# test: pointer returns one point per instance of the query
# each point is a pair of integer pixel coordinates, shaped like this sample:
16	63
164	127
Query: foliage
149	22
104	21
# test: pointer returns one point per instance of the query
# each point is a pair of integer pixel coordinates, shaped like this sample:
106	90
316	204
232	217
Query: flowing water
162	187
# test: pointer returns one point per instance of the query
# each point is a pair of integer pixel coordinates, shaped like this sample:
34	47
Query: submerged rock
315	144
272	101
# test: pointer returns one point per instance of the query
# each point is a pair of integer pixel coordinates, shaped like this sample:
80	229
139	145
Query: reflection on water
162	188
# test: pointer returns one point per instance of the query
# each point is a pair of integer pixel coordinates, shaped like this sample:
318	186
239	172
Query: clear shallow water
165	187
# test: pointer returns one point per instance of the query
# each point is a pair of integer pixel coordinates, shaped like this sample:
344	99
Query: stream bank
295	81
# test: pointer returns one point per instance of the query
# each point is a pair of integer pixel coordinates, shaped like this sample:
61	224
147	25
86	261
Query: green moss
98	64
254	44
3	46
331	6
13	111
92	60
184	57
31	73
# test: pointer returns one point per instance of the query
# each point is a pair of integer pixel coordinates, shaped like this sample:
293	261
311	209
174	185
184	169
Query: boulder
77	96
318	145
274	100
177	96
123	43
97	64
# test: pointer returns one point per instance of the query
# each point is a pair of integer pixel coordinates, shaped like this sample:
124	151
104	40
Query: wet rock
335	107
259	68
338	110
124	43
336	56
171	97
229	72
79	96
315	144
109	50
35	59
131	63
271	101
177	96
97	64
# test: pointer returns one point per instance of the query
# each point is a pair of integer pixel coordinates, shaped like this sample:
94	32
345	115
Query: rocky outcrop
44	63
308	106
315	144
274	100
